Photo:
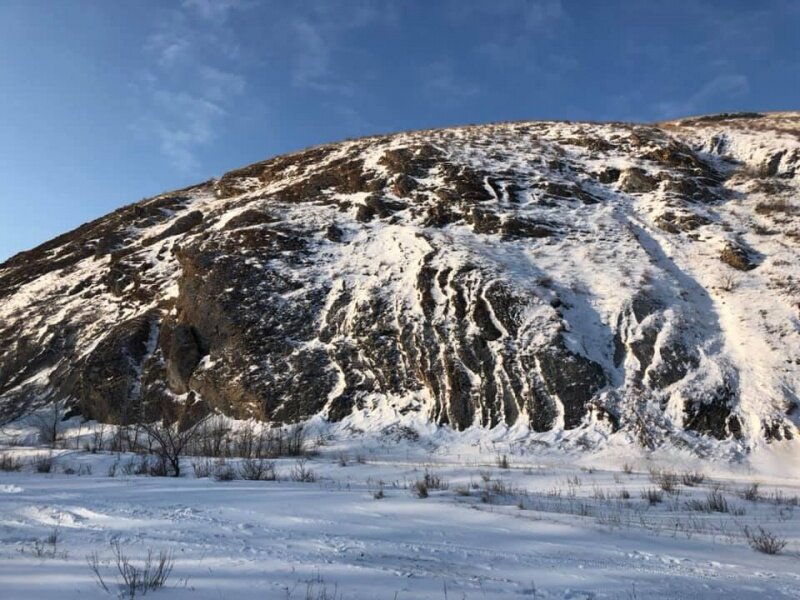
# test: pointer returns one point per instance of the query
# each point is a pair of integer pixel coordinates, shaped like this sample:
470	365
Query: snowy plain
552	523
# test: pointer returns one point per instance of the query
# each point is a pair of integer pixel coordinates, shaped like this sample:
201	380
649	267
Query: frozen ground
547	526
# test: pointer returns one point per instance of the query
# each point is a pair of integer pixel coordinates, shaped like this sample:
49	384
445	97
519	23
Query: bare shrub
171	442
47	547
212	438
225	471
627	468
751	492
764	541
47	424
43	463
775	205
434	481
257	469
653	495
420	489
159	466
717	502
9	462
502	461
714	502
778	497
301	473
216	439
132	579
202	468
296	442
666	480
728	282
692	478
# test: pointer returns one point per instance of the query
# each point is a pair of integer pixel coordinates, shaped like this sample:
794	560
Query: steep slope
561	276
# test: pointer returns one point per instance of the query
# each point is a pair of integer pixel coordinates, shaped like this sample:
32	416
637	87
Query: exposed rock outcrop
548	275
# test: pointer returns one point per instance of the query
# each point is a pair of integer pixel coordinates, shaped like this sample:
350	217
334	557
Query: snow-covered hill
580	280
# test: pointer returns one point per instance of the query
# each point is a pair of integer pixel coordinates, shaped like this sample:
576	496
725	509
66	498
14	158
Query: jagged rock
181	225
636	181
609	175
108	380
677	223
737	257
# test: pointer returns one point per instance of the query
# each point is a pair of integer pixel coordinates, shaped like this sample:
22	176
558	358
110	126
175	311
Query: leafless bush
692	478
43	463
627	468
47	547
9	462
202	468
717	502
666	480
778	497
652	495
81	470
775	205
258	469
764	541
728	282
47	424
301	473
225	471
420	489
714	502
499	487
171	443
133	466
502	461
132	579
434	481
211	439
215	439
751	492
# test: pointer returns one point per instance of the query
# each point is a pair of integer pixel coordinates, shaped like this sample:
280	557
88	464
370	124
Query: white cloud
720	87
532	15
193	81
317	33
212	9
440	81
312	60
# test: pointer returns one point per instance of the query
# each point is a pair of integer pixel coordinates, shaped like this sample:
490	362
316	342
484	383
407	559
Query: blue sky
105	103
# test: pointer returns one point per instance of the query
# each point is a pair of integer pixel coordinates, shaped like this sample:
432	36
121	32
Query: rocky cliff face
559	276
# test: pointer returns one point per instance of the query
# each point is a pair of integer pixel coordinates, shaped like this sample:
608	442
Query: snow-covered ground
548	526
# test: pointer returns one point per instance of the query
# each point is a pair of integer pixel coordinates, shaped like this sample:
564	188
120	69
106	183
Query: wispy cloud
443	85
527	40
720	87
213	9
193	80
317	35
533	16
311	68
